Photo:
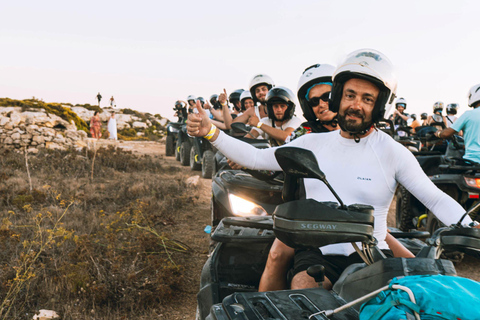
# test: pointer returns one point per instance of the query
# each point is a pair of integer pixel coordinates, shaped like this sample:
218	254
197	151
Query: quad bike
172	132
457	177
230	277
244	192
184	144
202	157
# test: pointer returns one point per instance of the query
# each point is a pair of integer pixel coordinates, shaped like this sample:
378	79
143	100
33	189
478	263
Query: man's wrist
259	124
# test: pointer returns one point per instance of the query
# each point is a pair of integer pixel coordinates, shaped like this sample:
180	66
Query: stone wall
33	130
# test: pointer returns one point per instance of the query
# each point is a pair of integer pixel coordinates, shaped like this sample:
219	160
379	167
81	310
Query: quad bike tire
404	214
185	153
169	146
177	152
208	164
194	164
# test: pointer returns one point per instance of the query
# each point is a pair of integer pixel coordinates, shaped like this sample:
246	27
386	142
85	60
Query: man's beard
351	126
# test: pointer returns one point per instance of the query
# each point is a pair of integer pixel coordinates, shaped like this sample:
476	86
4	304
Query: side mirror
299	163
239	127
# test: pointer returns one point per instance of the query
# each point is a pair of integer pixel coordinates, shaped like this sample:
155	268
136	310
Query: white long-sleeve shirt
366	173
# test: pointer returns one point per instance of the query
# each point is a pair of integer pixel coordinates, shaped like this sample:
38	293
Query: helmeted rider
451	114
281	119
246	101
191	99
399	117
213	101
234	99
180	111
414	122
437	120
259	87
469	123
364	164
424	118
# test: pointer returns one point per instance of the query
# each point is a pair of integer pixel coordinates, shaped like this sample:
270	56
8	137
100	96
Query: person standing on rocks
112	102
99	98
95	126
112	126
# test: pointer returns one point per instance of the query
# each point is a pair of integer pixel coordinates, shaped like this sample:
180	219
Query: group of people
403	120
112	100
96	126
342	106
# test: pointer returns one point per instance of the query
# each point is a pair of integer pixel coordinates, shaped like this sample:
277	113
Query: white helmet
438	106
316	74
474	95
191	97
257	80
370	65
245	95
452	108
401	101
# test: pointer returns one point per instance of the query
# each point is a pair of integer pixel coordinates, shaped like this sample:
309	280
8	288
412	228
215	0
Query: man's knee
280	253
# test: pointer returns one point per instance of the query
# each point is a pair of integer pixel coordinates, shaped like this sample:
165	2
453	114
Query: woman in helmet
437	120
281	120
451	114
314	89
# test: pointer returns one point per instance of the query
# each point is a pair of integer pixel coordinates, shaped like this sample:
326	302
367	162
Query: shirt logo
364	179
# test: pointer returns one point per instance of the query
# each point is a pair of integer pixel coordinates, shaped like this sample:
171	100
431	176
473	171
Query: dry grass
90	248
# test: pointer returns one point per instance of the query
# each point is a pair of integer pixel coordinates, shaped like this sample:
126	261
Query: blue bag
437	297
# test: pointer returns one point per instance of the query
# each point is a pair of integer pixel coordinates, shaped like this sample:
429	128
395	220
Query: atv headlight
243	208
473	182
172	129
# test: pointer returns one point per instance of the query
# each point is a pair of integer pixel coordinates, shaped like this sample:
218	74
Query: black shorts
334	264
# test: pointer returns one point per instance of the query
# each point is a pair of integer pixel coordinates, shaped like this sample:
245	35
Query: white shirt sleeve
411	176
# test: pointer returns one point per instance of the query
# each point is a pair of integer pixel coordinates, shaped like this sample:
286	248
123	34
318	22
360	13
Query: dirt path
189	229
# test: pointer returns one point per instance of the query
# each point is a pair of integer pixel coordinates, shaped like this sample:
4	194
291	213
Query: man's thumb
199	108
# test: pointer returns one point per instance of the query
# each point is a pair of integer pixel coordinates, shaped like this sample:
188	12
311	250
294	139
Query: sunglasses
315	101
401	105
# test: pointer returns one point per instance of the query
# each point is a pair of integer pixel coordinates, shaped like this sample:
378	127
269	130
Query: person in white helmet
437	120
313	93
259	87
399	117
469	123
281	120
362	163
451	114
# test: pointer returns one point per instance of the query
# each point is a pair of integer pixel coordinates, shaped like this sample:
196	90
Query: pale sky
147	54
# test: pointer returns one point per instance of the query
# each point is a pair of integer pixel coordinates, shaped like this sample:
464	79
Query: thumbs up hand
198	124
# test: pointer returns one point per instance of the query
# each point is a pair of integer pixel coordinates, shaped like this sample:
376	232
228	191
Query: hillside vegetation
57	109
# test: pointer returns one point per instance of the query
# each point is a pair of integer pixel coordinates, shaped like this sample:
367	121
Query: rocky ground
190	230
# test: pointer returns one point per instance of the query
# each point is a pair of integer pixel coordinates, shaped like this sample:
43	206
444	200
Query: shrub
75	244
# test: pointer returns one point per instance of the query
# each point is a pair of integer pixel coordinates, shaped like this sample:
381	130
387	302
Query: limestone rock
193	181
53	145
15	136
139	125
38	139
